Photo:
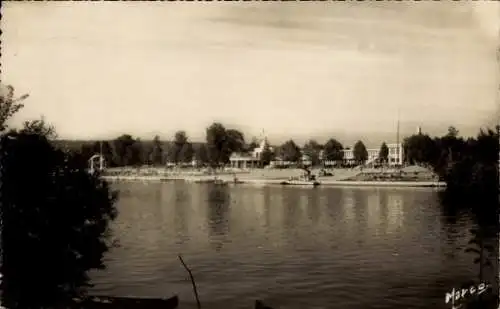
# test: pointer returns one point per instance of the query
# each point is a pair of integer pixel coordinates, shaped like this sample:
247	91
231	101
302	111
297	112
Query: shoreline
263	181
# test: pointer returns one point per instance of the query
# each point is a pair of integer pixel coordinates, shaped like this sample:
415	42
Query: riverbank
337	177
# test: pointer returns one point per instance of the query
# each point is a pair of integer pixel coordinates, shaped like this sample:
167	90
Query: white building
395	156
306	160
257	152
348	156
249	160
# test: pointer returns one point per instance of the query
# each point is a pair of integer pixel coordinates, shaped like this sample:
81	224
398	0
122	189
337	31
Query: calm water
291	247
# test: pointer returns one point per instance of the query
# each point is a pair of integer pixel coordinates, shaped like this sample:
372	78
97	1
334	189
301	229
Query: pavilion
251	159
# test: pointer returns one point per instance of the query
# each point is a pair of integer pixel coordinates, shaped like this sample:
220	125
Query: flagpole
397	135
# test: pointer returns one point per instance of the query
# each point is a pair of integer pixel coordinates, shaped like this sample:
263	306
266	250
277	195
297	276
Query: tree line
438	153
220	143
465	164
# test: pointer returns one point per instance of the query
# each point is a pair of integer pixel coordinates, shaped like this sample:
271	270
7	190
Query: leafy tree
452	132
333	150
170	154
221	143
8	105
216	143
40	127
180	138
266	155
86	151
290	151
470	166
107	152
124	152
384	153
186	154
450	150
420	149
253	144
312	149
484	252
235	141
360	153
486	146
176	152
157	151
135	153
467	166
55	220
201	153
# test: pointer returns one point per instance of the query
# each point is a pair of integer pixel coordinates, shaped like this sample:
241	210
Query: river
291	247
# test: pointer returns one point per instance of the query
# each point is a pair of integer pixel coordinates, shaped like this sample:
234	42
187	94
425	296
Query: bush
55	221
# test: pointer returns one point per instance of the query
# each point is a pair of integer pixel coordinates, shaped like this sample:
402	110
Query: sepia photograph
250	154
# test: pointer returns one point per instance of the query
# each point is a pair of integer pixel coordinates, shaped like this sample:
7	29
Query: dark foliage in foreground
55	221
468	166
483	240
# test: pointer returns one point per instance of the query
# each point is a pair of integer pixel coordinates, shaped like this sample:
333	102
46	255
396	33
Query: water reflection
395	209
312	209
348	206
267	200
291	208
483	236
219	200
373	211
180	222
296	247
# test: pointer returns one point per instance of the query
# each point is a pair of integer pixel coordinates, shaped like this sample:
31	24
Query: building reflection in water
383	210
267	202
181	216
373	211
276	208
312	209
249	212
276	215
306	241
348	208
304	200
395	211
218	203
259	204
291	210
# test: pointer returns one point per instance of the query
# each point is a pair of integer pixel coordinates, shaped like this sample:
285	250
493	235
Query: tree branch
192	282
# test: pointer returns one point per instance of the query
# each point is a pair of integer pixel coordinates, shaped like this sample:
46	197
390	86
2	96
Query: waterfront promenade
339	177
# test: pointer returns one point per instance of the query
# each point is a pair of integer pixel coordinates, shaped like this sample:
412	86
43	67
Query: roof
241	155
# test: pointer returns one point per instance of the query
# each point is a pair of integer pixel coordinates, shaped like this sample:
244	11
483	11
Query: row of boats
288	182
304	180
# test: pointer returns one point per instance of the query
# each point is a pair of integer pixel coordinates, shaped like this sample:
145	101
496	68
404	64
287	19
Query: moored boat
305	180
313	183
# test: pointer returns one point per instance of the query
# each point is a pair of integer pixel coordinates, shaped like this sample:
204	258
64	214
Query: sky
296	70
